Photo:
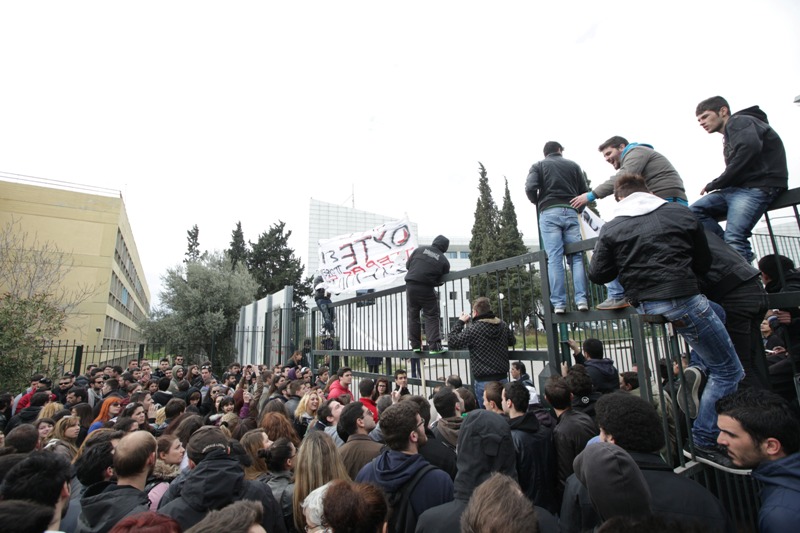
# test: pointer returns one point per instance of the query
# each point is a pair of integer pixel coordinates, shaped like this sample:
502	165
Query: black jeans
744	311
423	298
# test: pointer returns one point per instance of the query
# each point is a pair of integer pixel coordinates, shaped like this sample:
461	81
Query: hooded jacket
447	429
428	264
615	483
106	503
673	496
488	339
337	389
391	470
536	460
554	181
657	249
660	176
485	446
780	495
173	384
605	377
218	480
754	153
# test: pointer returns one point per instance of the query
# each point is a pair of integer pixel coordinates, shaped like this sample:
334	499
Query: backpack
401	516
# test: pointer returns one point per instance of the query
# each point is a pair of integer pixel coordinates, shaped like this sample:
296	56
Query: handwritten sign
367	259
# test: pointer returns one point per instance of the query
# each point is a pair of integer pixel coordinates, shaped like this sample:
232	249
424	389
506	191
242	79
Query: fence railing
371	338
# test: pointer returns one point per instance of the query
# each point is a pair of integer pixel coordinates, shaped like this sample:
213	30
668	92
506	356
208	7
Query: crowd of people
169	446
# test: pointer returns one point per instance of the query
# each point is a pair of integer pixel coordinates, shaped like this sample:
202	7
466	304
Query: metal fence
371	338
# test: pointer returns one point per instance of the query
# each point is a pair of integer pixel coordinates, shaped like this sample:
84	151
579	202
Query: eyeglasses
64	384
115	404
215	392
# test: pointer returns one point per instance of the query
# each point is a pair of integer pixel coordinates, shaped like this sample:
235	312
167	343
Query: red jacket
371	406
337	389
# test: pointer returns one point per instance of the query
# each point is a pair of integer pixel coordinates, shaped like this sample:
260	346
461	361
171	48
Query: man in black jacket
732	283
658	249
755	172
426	266
551	184
488	339
533	442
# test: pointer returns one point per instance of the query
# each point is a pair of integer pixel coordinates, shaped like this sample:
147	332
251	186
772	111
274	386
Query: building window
464	255
451	255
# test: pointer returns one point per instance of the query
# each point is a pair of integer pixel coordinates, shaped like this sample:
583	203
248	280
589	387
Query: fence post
141	354
76	367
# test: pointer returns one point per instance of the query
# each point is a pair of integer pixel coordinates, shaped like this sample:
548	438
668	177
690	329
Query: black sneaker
714	457
692	378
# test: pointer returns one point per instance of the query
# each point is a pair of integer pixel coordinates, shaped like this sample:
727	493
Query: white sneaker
560	310
583	306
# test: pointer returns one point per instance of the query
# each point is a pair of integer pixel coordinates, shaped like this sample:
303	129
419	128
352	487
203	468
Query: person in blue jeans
658	249
755	172
551	184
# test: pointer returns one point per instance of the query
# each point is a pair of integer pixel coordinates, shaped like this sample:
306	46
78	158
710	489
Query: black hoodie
428	264
106	503
218	480
536	460
754	153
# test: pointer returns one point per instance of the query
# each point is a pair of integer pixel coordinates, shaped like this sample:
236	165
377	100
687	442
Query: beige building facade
93	230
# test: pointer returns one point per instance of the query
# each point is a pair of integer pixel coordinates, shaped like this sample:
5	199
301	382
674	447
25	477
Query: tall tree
35	302
193	246
520	285
238	251
273	264
483	246
200	306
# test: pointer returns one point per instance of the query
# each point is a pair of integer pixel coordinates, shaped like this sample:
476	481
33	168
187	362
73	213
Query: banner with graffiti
368	259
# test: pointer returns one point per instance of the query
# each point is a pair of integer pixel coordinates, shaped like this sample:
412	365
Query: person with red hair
149	522
110	409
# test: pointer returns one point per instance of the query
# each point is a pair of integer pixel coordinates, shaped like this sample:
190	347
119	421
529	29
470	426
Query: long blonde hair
318	461
50	410
302	407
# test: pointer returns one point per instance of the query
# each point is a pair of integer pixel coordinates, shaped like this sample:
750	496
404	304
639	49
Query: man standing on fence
658	249
426	266
488	339
551	184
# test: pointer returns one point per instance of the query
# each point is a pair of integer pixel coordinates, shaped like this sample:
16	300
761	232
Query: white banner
590	227
368	259
590	224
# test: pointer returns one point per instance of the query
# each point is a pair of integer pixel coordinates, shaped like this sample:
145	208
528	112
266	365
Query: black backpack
401	516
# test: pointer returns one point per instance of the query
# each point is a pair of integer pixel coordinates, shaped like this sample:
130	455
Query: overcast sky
209	113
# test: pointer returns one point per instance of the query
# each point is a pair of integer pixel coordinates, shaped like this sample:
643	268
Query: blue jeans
693	318
742	207
559	226
479	388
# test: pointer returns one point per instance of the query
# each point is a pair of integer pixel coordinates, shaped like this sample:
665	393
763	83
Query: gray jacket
660	176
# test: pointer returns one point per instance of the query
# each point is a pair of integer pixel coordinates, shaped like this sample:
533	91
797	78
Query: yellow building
92	229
